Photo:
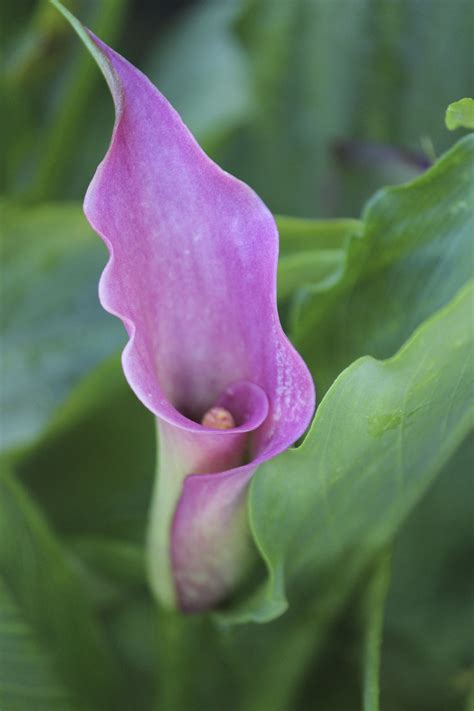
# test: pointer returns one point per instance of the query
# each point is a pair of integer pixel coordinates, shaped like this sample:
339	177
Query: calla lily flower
192	275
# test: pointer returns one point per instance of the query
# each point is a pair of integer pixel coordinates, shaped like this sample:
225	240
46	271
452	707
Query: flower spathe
192	274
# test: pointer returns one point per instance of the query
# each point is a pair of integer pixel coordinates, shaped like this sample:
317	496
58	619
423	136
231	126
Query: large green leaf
53	328
50	640
379	437
414	253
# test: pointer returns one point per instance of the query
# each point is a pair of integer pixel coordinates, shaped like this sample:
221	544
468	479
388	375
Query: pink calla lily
192	275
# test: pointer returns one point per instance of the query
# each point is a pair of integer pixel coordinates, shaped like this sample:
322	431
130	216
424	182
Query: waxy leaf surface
380	436
411	256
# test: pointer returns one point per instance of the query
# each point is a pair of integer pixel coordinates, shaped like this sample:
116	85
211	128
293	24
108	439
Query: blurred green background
283	93
316	104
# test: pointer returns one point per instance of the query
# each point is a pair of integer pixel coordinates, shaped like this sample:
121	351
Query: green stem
374	604
175	634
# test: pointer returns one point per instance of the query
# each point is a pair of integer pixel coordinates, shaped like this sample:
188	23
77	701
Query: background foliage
365	532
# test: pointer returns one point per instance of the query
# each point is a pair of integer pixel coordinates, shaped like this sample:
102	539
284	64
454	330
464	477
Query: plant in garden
351	526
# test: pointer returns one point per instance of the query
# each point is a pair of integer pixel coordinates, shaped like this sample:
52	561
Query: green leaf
414	253
379	438
311	251
52	326
46	619
460	114
304	268
298	234
93	470
28	678
121	560
374	604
